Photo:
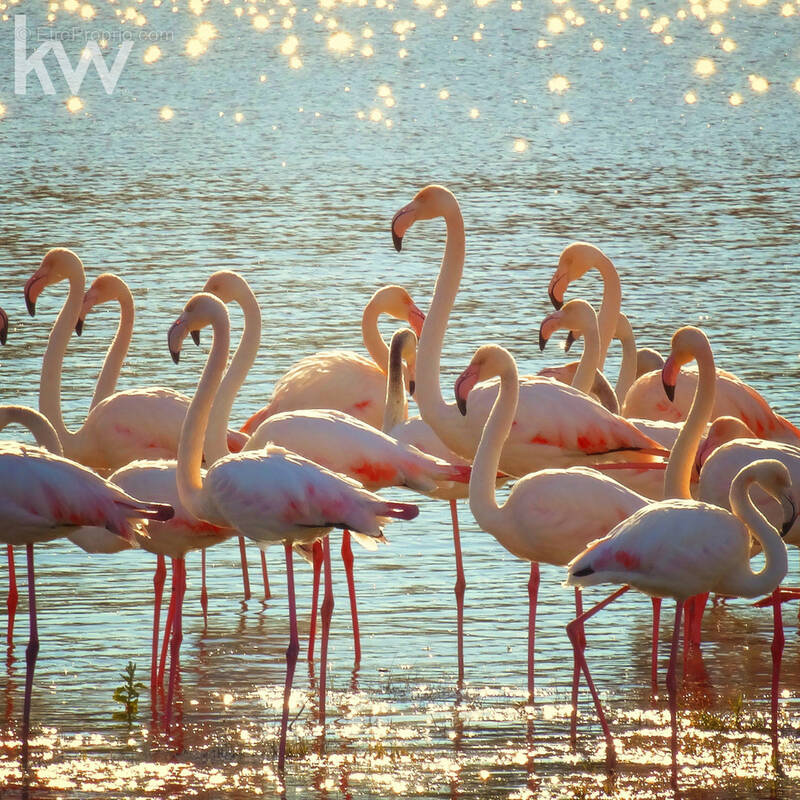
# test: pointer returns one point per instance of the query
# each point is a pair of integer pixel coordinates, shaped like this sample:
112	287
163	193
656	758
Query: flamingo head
489	360
404	348
648	360
229	286
774	478
575	260
721	431
104	289
575	316
3	326
396	302
687	343
202	309
57	265
430	202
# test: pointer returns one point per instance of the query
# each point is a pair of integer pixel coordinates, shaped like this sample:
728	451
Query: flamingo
682	548
43	497
555	424
540	520
108	288
269	495
138	423
344	380
3	326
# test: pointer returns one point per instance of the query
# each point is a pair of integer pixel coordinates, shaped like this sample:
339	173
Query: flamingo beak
571	339
549	325
790	512
401	222
556	289
669	377
416	319
542	339
79	326
3	326
464	384
412	387
32	292
175	337
195	337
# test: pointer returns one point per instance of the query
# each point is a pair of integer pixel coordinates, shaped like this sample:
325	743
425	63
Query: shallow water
695	203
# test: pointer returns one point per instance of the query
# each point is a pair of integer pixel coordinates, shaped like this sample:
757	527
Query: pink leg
245	574
265	576
158	590
31	653
162	664
179	579
312	629
459	589
203	590
291	657
576	669
697	618
533	593
654	657
672	691
347	558
575	631
327	613
13	595
777	655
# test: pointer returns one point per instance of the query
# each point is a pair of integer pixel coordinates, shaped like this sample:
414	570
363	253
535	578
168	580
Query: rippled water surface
278	140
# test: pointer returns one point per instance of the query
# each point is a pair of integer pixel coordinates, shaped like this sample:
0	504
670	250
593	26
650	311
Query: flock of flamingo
683	473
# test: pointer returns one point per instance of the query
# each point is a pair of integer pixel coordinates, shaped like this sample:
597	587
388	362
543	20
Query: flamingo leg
654	656
203	590
576	669
245	574
291	656
697	618
265	576
778	640
672	690
575	633
159	577
533	594
179	580
312	628
31	652
167	628
459	589
13	595
347	558
327	613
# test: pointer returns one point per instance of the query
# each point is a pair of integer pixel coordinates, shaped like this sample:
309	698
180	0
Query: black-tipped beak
3	333
669	390
461	402
412	387
195	337
30	305
397	241
789	514
571	337
542	341
176	355
79	326
555	301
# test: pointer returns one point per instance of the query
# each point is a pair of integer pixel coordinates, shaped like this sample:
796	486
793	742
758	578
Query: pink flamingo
269	495
540	520
43	497
682	548
343	380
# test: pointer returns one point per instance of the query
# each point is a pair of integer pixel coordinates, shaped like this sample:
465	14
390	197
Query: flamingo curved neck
373	341
52	363
627	369
744	582
216	443
609	307
394	410
482	498
36	423
588	365
188	474
112	365
678	474
444	418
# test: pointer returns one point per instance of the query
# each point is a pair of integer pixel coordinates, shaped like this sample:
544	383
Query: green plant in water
128	694
737	704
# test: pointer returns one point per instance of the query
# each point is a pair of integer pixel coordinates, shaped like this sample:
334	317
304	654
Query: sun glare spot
728	45
556	25
597	45
735	99
195	47
261	22
758	83
690	97
520	145
787	10
340	42
74	104
166	113
206	32
444	94
558	84
796	85
474	113
704	67
289	46
152	54
2	110
563	118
